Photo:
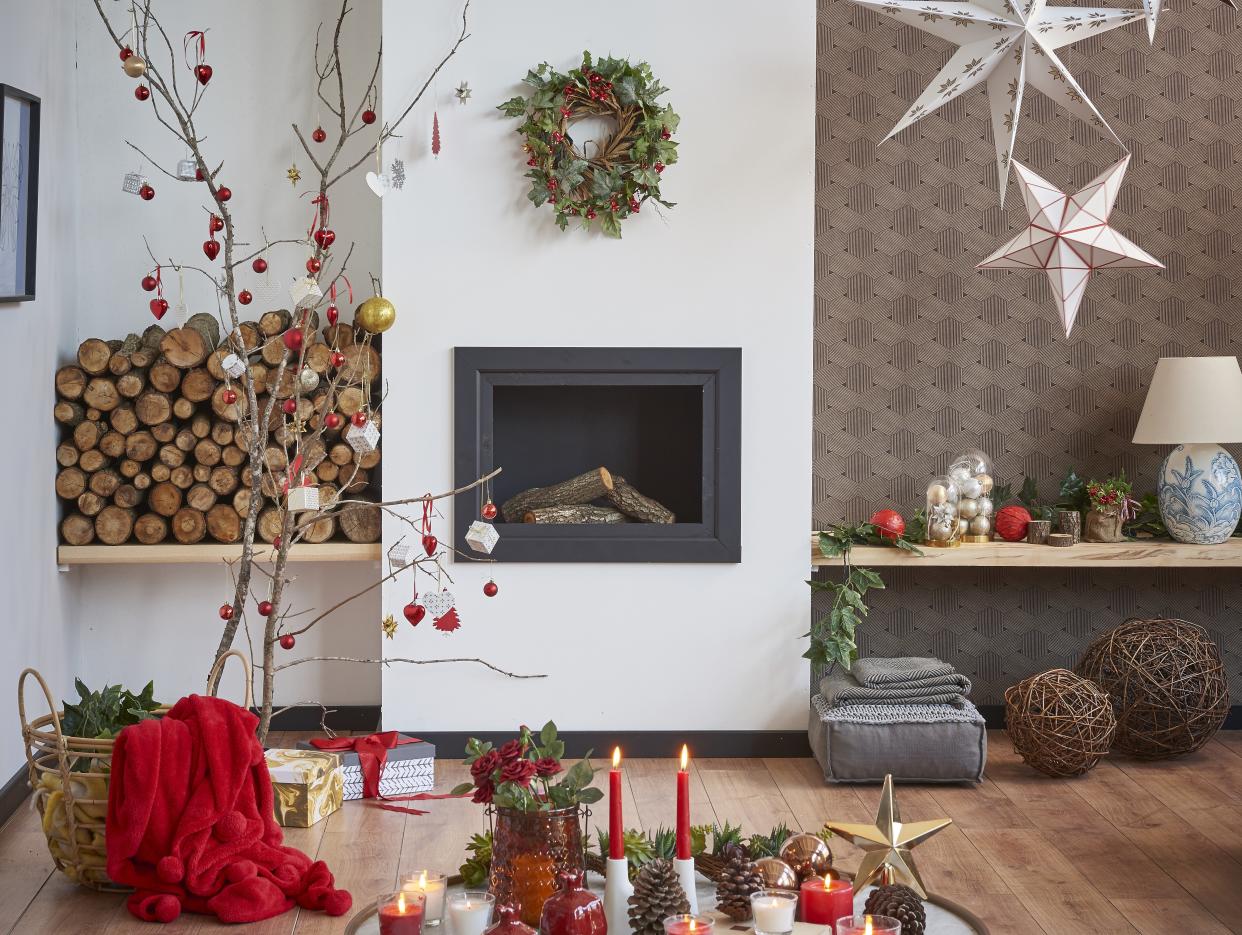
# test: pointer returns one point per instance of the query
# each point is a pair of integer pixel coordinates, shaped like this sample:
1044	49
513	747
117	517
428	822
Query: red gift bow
372	753
194	37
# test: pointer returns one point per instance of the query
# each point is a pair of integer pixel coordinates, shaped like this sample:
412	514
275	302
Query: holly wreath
624	169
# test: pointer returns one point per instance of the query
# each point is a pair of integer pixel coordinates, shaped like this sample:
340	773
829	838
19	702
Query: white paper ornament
132	182
233	365
305	291
482	537
363	439
377	183
302	499
441	607
399	555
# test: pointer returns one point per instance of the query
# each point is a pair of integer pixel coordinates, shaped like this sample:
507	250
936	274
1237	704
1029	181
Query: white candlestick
470	912
617	892
433	886
685	875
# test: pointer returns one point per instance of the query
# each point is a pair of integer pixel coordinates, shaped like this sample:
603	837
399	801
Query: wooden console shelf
209	553
1144	554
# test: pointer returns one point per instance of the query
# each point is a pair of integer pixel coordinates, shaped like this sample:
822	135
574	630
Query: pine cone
740	878
901	903
657	895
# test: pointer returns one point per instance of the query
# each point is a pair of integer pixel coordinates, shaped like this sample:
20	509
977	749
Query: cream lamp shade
1192	400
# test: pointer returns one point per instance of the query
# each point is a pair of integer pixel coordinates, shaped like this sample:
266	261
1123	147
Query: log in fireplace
630	435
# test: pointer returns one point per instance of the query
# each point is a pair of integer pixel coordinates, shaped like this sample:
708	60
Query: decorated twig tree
286	435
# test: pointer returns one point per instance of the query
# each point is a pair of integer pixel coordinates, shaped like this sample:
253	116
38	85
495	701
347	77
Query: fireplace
666	422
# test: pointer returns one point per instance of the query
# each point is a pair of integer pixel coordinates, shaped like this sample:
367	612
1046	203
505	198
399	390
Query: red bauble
126	52
287	641
313	266
290	406
490	589
429	544
244	297
226	611
228	397
332	420
337	359
414	613
149	283
368	116
224	193
198	175
333	314
276	540
325	237
142	92
216	223
1011	523
489	510
284	485
359	419
265	608
203	73
293	339
318	135
259	265
146	193
211	248
158	308
888	523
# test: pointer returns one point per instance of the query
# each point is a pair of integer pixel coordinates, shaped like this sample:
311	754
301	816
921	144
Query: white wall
36	49
469	262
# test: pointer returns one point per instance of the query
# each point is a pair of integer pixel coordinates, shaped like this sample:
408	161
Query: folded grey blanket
842	688
899	669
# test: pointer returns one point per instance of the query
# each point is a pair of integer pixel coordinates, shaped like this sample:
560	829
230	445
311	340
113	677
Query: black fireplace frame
718	538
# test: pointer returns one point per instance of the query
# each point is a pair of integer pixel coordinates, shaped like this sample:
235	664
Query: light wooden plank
1004	915
653	786
1166	916
744	793
437	840
1231	740
1021	554
213	553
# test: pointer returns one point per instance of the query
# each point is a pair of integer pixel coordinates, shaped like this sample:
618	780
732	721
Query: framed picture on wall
19	193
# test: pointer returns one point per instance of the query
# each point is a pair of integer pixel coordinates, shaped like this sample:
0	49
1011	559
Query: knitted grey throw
900	669
841	688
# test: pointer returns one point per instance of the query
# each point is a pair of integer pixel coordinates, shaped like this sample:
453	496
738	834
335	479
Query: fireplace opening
663	424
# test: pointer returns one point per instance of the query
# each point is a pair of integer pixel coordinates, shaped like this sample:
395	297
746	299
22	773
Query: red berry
287	641
224	193
333	314
313	266
551	185
290	406
142	92
259	265
489	510
276	540
368	116
126	52
149	283
490	589
265	608
146	193
659	167
414	613
293	339
332	420
244	297
198	175
318	134
337	359
226	611
590	215
228	397
532	161
664	134
634	205
359	419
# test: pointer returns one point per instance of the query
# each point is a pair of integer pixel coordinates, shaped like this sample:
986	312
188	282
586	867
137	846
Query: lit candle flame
616	757
401	902
685	757
867	930
692	921
422	880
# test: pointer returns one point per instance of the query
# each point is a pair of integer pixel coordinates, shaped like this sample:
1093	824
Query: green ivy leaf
462	788
590	795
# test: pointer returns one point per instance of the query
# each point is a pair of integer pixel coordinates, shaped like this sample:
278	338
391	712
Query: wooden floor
1131	847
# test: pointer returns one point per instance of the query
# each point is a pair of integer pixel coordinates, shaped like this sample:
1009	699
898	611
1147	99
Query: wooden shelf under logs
213	553
1130	554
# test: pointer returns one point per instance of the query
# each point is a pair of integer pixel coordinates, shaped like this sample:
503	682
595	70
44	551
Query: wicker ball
1059	722
1166	682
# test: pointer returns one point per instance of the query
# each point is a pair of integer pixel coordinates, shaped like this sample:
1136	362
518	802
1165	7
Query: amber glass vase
529	850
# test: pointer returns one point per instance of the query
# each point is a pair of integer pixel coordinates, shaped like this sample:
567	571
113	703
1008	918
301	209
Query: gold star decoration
297	425
888	843
293	175
389	626
463	93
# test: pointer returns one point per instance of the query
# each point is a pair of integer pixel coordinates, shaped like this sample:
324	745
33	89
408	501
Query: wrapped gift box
409	768
307	785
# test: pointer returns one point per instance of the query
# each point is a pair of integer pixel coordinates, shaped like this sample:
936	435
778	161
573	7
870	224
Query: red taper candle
616	832
683	806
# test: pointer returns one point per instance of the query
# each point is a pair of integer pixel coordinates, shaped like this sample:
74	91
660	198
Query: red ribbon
295	469
332	297
320	217
372	753
159	283
427	515
189	40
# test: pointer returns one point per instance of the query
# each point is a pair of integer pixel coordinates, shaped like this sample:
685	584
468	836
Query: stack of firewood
153	448
598	496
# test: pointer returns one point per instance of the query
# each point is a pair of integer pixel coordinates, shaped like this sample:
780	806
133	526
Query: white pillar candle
432	885
773	911
470	912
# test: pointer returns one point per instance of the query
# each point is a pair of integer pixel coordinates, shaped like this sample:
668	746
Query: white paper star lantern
1069	236
1009	46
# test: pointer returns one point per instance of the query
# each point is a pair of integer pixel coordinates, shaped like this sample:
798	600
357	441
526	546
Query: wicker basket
69	776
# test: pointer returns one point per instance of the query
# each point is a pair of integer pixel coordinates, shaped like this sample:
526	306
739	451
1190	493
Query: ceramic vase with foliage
537	810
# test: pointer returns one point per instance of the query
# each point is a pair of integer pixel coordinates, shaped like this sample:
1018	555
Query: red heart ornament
158	308
429	544
203	73
414	613
325	238
211	248
333	314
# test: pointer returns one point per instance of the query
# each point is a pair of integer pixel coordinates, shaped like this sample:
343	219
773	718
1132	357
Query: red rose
518	771
548	766
483	766
511	750
483	794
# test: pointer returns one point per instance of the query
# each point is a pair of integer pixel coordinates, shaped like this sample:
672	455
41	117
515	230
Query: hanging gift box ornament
363	438
187	170
482	537
441	605
233	365
305	291
132	183
302	499
399	555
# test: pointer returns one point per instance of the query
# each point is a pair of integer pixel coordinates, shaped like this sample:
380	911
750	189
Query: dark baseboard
339	717
13	793
648	743
994	714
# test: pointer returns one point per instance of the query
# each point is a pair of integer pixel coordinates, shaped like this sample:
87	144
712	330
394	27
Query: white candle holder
685	876
617	892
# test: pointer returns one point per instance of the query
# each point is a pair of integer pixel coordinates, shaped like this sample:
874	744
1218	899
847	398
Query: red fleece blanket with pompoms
191	826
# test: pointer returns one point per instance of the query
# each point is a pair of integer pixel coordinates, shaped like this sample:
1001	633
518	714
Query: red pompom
229	827
888	523
337	903
170	869
165	908
1011	523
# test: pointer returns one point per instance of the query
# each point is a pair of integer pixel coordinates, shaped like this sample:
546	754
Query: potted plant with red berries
1109	507
537	807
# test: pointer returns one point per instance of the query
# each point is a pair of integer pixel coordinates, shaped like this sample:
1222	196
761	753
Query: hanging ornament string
197	39
332	312
429	541
158	305
181	307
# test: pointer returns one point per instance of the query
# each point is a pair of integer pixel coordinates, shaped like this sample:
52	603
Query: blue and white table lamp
1195	403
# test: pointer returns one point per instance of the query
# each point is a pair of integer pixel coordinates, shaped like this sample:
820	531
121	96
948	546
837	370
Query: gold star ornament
293	175
389	625
888	843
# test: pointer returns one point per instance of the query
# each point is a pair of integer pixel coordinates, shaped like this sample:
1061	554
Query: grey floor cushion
915	743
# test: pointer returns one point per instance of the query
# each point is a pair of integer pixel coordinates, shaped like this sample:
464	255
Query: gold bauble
937	494
985	480
980	526
135	66
777	875
808	854
375	315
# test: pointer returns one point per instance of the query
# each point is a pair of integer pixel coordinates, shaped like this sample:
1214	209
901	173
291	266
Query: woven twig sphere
1166	682
1059	722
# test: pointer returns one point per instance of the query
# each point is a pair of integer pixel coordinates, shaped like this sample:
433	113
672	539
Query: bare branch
413	662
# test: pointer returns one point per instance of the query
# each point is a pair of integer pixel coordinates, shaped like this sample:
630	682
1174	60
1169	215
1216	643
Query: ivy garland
622	171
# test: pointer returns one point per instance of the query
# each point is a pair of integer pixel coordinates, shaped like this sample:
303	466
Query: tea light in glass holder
433	886
401	913
470	912
688	924
943	515
774	911
868	925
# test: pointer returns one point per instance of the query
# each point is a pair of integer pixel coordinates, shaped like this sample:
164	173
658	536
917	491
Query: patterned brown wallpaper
919	356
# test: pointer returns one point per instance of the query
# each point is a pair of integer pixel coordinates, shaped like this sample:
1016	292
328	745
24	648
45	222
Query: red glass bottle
573	910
